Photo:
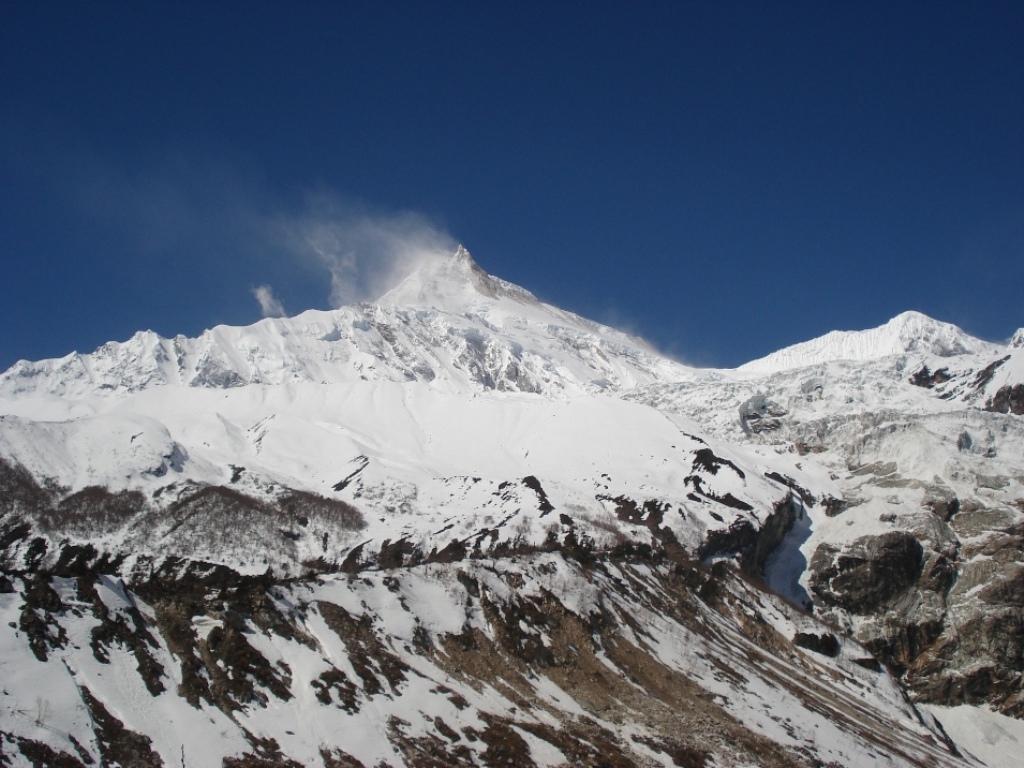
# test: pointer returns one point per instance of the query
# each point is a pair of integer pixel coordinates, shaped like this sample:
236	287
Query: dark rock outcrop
826	644
868	573
1009	399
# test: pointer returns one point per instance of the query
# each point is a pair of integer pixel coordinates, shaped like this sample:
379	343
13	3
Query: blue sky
721	178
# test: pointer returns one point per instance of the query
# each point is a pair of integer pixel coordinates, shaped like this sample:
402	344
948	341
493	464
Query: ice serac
909	332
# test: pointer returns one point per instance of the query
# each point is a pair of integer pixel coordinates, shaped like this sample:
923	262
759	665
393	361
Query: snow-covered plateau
458	526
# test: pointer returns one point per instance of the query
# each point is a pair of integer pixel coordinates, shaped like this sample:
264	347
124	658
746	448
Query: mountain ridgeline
459	526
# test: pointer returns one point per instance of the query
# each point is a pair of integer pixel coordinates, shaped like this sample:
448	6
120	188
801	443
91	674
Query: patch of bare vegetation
372	661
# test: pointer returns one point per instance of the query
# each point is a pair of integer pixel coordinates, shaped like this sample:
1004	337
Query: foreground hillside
558	656
460	526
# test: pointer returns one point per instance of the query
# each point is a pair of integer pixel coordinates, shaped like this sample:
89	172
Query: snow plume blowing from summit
270	305
365	252
181	215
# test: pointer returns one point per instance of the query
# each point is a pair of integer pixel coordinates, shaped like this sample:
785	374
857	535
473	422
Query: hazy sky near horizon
722	178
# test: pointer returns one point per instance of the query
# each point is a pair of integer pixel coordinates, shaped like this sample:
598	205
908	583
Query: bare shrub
303	506
94	511
21	493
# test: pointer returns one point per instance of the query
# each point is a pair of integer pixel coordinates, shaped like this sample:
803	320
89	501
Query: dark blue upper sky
722	178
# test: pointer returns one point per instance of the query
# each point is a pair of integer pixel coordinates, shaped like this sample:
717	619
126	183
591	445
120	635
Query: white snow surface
417	409
995	739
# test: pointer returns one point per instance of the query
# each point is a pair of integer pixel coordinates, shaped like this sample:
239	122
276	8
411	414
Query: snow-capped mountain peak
1017	342
448	323
908	332
454	282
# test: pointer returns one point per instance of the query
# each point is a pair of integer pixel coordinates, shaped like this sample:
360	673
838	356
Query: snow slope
535	661
425	411
909	332
993	738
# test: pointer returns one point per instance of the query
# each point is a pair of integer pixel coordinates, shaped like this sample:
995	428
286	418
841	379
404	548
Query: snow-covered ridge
909	332
448	323
451	324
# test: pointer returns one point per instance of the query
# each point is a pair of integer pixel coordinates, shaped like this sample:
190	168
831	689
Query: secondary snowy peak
909	332
1017	342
